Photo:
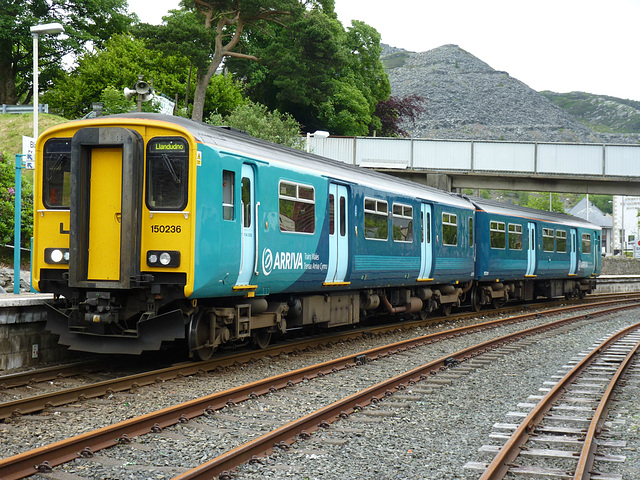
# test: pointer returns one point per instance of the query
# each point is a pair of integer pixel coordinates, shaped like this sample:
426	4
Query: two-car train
152	228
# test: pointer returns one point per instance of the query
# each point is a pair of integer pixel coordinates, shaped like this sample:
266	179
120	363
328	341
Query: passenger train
152	228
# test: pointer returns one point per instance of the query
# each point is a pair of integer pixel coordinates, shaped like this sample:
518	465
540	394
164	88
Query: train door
248	243
573	269
531	250
338	233
426	246
105	207
105	200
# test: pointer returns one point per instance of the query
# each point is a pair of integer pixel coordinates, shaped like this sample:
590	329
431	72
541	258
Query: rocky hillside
467	99
600	112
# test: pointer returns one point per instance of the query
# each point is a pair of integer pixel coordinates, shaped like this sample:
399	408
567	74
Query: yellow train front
114	230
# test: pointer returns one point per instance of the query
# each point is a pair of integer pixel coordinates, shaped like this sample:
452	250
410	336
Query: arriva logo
280	261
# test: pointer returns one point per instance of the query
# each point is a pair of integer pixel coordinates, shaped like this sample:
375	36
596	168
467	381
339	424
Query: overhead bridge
529	166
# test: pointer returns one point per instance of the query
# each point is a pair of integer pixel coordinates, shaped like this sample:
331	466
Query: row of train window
167	173
551	241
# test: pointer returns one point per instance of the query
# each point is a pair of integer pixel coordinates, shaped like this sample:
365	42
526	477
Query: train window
402	223
332	206
376	225
343	216
586	243
515	236
449	229
228	187
297	208
245	193
547	240
497	234
57	173
471	231
561	241
167	173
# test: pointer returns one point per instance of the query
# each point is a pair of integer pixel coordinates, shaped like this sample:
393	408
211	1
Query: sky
559	45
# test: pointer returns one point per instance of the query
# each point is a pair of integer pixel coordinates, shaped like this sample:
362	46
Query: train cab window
402	223
228	187
497	234
57	173
297	208
548	240
515	236
586	243
561	241
471	231
449	229
167	173
376	225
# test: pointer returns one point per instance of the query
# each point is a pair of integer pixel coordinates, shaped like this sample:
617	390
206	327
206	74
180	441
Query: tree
7	204
326	77
117	65
84	21
541	202
259	122
398	111
222	25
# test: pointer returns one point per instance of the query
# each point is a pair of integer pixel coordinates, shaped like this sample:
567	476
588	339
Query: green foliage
541	202
259	122
84	21
326	77
115	102
7	204
603	202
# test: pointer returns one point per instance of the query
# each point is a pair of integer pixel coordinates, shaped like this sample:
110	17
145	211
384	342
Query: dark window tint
167	173
57	173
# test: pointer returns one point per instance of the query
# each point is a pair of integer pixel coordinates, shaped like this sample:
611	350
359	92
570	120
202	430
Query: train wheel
497	302
476	304
260	339
200	336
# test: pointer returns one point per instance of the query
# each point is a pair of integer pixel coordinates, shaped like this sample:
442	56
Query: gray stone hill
467	99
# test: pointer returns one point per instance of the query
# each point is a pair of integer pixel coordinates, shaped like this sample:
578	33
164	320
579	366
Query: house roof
595	214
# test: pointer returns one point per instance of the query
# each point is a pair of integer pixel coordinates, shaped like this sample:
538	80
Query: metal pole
17	224
35	86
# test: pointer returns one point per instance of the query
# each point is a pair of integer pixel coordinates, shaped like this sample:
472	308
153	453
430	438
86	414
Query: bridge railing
531	158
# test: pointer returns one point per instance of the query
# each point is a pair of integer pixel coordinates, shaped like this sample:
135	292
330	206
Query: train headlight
163	258
56	256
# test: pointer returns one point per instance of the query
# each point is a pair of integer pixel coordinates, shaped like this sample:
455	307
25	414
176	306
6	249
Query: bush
7	202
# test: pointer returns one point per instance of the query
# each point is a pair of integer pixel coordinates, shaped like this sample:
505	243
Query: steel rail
500	465
20	379
588	452
22	465
304	426
63	397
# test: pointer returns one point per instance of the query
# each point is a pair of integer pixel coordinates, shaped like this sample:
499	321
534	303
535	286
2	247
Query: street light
36	31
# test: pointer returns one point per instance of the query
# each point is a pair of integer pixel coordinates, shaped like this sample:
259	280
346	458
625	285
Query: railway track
40	401
555	427
91	442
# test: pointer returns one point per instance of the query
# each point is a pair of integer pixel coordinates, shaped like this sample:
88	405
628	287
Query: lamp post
36	31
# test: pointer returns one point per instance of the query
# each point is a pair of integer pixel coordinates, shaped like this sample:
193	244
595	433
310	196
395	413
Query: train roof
498	208
244	143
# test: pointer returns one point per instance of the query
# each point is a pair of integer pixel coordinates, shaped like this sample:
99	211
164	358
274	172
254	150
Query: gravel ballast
428	431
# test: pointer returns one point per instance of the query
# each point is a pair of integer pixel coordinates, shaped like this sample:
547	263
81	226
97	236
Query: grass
14	126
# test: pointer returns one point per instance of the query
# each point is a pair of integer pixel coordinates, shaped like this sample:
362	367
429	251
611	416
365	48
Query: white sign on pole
29	150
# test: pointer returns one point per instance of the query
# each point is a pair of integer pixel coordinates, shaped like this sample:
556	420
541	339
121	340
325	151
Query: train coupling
100	307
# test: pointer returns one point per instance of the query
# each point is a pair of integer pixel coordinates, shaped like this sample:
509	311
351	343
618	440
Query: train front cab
113	232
